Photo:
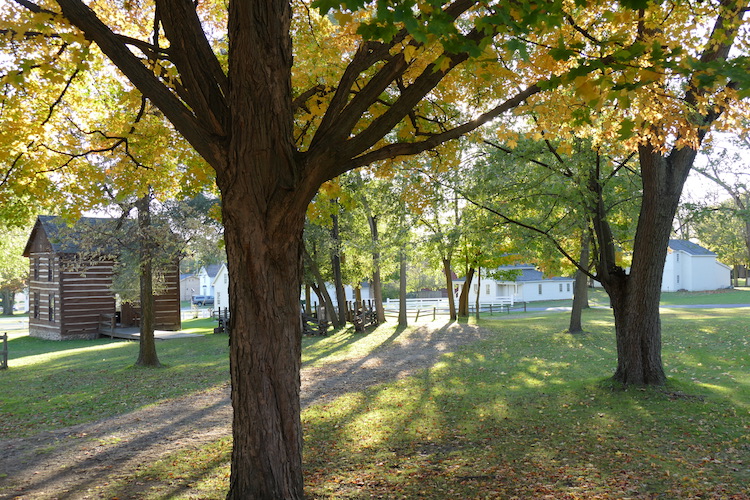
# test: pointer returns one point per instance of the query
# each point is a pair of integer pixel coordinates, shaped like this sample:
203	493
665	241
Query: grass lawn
50	385
526	413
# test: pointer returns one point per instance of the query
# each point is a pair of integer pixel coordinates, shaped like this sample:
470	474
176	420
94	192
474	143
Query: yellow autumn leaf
409	52
586	89
565	148
343	18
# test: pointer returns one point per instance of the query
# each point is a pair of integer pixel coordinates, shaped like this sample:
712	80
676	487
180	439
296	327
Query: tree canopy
365	83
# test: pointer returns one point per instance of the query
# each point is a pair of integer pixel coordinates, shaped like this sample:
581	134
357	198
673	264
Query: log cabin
70	287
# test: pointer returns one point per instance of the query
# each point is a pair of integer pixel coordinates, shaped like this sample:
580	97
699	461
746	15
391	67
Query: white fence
430	309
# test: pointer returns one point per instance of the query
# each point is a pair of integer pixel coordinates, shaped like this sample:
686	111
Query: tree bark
8	301
402	320
479	286
463	298
580	289
338	282
147	344
265	193
635	296
449	284
377	287
321	291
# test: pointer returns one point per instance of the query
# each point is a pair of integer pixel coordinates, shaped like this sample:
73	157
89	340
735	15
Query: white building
691	267
220	286
206	276
528	285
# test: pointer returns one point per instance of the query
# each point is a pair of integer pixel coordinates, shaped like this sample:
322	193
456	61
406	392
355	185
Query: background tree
14	267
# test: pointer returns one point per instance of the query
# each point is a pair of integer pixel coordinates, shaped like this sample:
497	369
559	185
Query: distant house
206	276
189	286
70	285
693	268
220	285
528	285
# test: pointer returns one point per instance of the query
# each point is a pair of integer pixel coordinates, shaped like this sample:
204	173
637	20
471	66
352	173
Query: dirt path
71	463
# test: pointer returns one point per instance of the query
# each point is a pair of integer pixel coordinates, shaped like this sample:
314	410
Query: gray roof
72	239
212	270
689	247
527	272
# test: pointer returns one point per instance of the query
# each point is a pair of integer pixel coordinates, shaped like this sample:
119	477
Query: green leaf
626	129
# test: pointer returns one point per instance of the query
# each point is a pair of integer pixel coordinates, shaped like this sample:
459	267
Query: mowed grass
526	413
50	385
529	413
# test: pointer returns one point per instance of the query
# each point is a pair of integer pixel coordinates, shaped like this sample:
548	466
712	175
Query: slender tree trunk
377	286
338	282
308	299
8	301
479	285
449	284
147	345
402	320
321	291
463	298
580	288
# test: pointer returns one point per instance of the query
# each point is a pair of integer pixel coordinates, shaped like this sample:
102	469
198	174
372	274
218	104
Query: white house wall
530	291
492	291
220	286
694	273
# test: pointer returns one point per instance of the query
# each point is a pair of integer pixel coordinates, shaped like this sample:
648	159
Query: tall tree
381	99
14	268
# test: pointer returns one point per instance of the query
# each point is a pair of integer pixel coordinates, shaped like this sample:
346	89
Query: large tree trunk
635	296
463	298
377	287
580	288
147	344
263	214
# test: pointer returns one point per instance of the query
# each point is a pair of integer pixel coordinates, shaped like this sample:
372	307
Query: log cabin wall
167	304
68	294
85	291
44	295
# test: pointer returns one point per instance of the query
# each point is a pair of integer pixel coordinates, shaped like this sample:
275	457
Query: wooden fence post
434	313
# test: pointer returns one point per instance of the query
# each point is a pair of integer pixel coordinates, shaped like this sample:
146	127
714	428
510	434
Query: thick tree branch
200	71
412	148
187	123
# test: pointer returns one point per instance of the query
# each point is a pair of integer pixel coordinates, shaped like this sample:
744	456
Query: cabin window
486	289
678	279
568	287
476	288
51	313
540	288
226	279
50	269
36	305
677	257
561	287
36	268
